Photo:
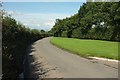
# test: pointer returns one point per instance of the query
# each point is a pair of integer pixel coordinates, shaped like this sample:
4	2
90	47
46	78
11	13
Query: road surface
48	61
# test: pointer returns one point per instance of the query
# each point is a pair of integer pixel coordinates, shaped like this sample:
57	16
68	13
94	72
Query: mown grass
85	47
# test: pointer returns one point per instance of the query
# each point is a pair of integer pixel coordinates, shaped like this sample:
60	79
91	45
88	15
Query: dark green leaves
89	14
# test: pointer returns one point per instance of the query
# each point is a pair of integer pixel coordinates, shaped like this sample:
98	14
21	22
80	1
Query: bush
15	39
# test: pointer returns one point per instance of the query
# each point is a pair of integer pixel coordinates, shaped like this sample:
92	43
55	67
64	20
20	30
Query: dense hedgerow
15	39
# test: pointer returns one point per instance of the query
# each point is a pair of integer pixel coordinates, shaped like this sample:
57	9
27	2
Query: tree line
15	39
94	20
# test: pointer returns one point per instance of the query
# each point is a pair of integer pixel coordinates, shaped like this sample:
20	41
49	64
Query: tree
89	14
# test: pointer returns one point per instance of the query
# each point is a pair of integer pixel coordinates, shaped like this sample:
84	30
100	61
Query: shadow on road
30	69
33	69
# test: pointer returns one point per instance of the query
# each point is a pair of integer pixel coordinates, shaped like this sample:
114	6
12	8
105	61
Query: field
86	47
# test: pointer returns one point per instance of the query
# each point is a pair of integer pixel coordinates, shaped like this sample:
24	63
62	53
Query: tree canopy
94	20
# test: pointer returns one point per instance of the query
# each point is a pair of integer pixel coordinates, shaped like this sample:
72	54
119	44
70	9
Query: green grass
85	47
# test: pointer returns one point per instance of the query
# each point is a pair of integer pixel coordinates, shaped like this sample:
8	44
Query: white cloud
38	20
25	24
14	13
50	23
10	12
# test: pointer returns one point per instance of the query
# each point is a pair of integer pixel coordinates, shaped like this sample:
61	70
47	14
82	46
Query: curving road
49	61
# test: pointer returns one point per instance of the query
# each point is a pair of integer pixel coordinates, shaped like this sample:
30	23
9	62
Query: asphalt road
56	62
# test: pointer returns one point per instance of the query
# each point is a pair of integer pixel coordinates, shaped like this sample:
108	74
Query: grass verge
85	47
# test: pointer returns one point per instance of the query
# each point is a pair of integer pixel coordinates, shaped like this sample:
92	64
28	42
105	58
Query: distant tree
42	31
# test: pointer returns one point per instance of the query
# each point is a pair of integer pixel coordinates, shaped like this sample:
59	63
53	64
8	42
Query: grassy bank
85	47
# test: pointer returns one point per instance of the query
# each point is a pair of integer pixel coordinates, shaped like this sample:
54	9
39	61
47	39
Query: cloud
38	20
50	23
14	13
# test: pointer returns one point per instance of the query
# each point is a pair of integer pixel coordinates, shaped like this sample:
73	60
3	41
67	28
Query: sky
41	15
44	0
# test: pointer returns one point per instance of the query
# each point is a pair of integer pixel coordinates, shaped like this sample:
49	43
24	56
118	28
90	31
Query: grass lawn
86	47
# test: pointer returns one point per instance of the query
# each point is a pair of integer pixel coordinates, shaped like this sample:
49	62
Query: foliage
15	39
94	20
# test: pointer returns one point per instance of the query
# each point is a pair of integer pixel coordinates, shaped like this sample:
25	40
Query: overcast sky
40	15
